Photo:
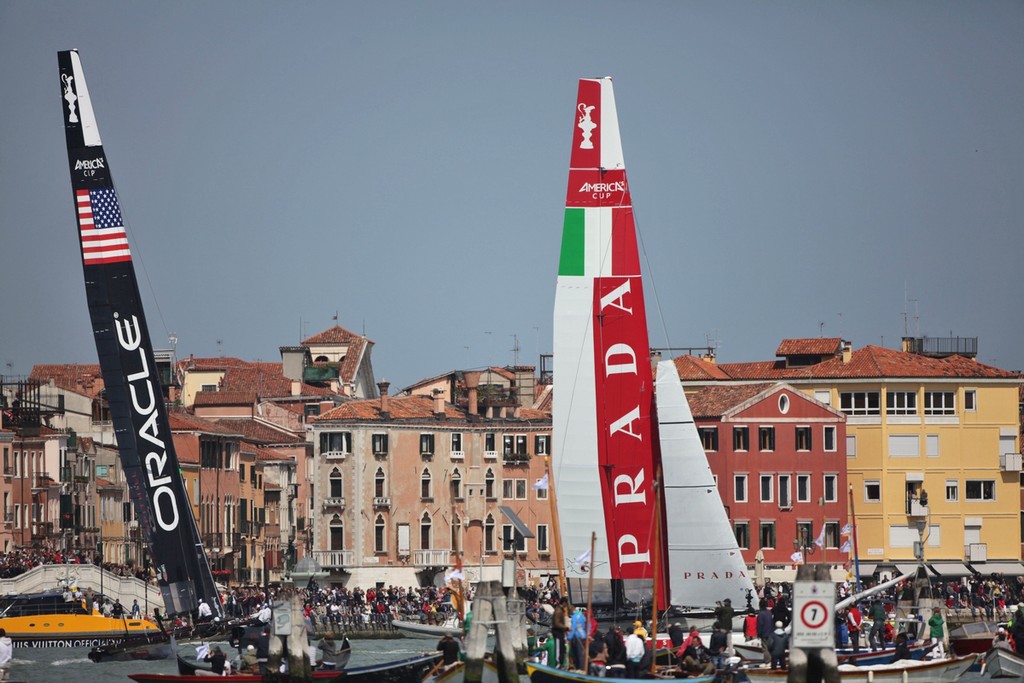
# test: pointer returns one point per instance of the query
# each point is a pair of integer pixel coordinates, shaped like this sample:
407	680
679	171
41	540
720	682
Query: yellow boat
50	620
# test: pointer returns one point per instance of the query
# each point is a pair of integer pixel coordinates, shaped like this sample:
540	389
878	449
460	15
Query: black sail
126	360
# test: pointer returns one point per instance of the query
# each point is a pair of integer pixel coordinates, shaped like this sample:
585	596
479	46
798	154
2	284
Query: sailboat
125	351
605	436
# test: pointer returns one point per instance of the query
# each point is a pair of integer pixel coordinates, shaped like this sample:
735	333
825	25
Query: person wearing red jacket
853	621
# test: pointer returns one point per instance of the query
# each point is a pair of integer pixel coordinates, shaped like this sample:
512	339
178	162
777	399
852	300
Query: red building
779	458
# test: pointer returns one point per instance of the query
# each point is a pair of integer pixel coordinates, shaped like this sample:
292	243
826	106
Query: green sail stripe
572	258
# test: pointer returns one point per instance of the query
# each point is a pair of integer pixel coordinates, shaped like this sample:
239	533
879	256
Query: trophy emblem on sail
587	125
70	97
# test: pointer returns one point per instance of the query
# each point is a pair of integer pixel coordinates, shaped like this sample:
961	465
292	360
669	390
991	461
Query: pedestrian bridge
89	579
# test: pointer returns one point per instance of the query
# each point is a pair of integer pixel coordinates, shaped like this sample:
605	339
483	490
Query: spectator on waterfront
136	610
6	653
1017	629
853	625
635	649
578	637
217	660
878	618
778	644
764	629
449	649
560	626
248	663
937	633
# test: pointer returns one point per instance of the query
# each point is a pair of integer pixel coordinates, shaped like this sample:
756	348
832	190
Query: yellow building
932	446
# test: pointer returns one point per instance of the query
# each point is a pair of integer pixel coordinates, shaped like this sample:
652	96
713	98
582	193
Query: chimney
296	388
847	351
325	406
438	403
472	380
384	404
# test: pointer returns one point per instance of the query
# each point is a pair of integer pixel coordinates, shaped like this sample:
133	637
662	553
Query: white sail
705	563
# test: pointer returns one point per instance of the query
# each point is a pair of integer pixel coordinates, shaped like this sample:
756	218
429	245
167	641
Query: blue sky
797	168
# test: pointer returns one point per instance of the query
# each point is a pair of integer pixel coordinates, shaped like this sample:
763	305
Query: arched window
379	488
379	535
489	534
425	526
489	484
456	484
335	484
337	533
425	492
321	359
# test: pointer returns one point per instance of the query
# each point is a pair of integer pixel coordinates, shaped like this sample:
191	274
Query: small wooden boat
409	670
1000	663
930	671
752	653
541	673
190	667
135	649
973	637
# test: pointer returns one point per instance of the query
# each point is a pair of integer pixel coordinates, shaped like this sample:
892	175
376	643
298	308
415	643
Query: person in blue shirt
578	637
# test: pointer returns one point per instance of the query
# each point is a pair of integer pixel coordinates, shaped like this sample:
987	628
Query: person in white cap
778	644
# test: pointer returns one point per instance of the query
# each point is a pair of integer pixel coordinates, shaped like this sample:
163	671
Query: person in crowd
248	663
778	645
853	625
878	618
718	646
449	649
676	635
560	625
902	648
764	629
578	637
937	632
635	649
217	660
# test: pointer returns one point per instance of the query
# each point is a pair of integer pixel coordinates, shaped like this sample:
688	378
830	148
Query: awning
1007	568
949	569
866	568
906	567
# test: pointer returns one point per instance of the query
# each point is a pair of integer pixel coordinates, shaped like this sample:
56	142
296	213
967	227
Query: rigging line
651	278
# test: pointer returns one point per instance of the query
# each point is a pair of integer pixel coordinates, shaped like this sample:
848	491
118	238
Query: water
60	665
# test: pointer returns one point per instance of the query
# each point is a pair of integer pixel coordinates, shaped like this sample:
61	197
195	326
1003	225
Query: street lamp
804	544
921	523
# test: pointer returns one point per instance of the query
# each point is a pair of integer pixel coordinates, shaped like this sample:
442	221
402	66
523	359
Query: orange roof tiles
225	398
81	378
815	346
691	367
716	400
332	335
260	432
186	422
869	362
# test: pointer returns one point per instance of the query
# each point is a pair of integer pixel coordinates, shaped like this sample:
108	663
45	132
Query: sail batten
127	363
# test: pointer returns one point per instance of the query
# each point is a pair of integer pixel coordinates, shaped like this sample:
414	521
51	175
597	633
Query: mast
602	423
126	361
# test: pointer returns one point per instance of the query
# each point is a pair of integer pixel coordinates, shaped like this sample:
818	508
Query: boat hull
1001	663
936	671
414	629
74	630
540	673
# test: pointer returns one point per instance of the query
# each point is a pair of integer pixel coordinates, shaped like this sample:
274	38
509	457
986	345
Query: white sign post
814	608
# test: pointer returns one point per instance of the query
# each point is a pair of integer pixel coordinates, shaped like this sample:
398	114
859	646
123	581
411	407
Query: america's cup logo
70	97
586	124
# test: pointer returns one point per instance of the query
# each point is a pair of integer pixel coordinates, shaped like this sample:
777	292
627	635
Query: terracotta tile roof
186	422
691	367
188	451
225	398
533	415
815	346
106	484
259	432
399	407
253	378
332	335
80	378
220	363
869	362
716	400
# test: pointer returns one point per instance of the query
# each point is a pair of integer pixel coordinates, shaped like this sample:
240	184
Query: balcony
431	558
976	552
915	509
337	503
490	455
514	459
1010	462
382	502
458	455
335	455
334	559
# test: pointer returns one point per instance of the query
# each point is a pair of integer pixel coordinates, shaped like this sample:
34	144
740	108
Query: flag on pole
797	557
541	484
820	540
847	530
846	547
582	558
456	573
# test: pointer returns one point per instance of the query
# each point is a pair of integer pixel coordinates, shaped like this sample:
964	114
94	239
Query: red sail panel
624	399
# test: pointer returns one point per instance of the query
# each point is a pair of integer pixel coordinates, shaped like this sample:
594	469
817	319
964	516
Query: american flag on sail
101	226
